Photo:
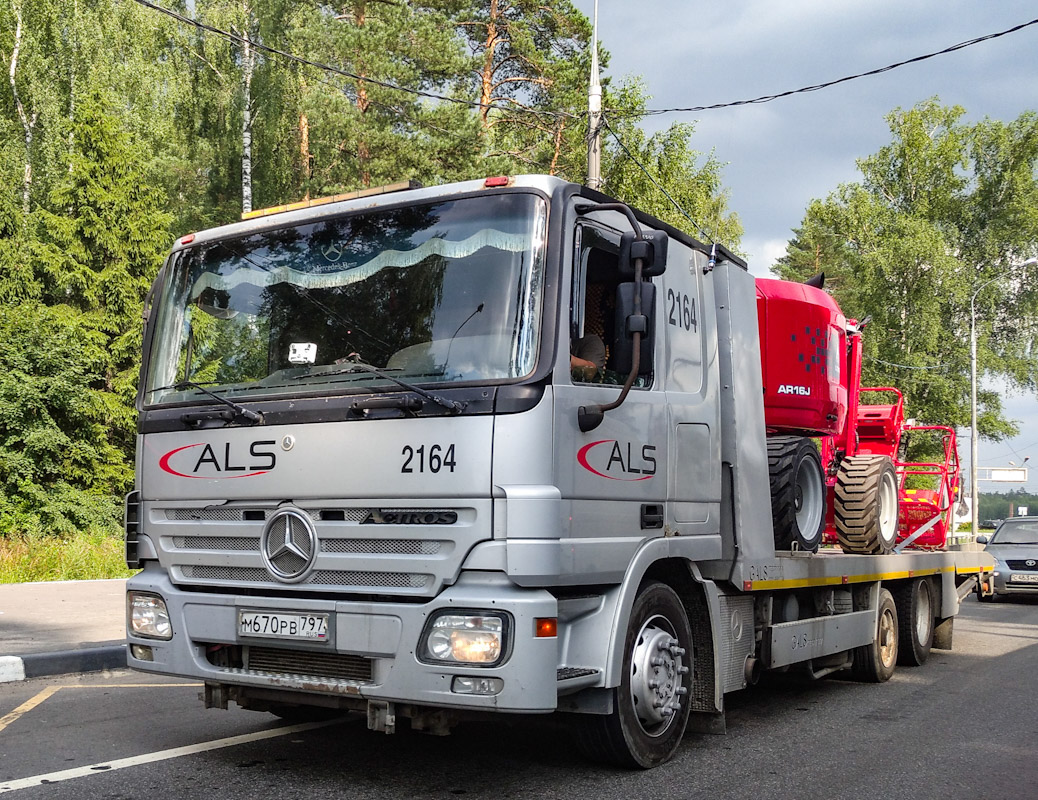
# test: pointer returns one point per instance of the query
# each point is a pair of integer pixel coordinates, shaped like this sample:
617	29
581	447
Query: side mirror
627	323
651	248
983	539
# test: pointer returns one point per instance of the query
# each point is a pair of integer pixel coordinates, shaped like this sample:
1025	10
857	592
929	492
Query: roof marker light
188	239
500	180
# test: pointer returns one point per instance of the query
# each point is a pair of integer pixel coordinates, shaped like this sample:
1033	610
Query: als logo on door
619	461
220	460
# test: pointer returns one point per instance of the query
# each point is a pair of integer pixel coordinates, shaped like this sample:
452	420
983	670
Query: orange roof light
320	201
188	239
500	180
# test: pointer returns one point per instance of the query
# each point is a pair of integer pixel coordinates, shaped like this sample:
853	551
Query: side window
596	276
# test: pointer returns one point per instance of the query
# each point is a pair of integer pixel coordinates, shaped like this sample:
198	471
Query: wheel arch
699	597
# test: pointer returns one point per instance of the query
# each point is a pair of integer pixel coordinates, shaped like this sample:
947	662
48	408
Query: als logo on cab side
608	458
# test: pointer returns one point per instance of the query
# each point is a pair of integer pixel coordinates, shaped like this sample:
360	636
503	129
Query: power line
233	37
906	366
768	98
630	155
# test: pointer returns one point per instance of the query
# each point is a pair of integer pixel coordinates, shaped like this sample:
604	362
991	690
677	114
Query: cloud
761	254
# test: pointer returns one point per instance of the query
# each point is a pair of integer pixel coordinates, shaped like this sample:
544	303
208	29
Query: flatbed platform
830	566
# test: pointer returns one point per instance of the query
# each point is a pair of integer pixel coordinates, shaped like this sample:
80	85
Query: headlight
465	638
148	616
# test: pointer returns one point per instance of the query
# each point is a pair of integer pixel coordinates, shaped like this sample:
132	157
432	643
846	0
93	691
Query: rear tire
797	492
652	703
866	505
915	614
875	662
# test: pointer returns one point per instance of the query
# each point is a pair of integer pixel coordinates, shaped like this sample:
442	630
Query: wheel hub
657	670
887	638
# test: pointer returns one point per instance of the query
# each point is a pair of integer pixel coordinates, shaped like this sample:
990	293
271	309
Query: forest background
122	127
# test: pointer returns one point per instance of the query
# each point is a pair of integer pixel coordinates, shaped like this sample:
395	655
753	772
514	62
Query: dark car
1014	546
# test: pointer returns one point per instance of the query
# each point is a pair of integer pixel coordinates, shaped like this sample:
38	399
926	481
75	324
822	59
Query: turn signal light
547	627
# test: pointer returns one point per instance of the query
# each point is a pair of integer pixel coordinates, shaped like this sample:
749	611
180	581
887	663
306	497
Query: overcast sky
782	154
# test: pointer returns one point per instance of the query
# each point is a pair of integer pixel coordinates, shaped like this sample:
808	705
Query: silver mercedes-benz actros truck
496	446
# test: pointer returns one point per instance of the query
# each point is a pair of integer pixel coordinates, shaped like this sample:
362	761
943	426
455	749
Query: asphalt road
964	725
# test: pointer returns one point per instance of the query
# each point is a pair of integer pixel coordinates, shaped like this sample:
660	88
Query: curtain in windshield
430	294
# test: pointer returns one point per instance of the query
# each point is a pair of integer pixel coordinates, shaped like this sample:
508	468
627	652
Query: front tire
797	492
866	505
875	662
652	703
915	614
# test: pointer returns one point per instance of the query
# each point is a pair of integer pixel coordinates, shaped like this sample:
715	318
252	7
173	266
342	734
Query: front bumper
1004	586
382	638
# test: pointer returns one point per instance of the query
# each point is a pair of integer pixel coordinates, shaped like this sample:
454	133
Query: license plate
1026	577
278	625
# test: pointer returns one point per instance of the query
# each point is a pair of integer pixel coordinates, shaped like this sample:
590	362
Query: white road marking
162	755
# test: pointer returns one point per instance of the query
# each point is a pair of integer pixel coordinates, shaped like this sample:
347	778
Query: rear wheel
865	506
875	662
651	705
915	614
797	492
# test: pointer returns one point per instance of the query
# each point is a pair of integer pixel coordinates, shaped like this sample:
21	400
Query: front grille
1022	564
336	548
240	543
246	544
301	664
306	664
396	580
406	547
217	514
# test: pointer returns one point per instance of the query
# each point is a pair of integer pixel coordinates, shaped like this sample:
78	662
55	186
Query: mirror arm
590	417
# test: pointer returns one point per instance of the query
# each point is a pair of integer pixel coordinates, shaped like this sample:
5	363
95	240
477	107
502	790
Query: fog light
142	652
486	686
464	639
148	616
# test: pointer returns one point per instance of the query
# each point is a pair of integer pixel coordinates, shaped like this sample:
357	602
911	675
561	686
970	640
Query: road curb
61	662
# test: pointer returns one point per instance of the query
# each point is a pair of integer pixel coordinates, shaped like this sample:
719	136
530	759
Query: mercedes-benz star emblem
289	545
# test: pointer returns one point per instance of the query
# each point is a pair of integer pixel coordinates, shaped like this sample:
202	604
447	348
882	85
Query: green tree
101	246
691	178
361	132
58	466
940	216
529	68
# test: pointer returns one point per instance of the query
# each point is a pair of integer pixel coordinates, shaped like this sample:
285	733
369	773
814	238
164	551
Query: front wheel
651	705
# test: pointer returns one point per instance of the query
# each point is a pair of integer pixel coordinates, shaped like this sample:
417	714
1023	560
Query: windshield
430	294
1024	531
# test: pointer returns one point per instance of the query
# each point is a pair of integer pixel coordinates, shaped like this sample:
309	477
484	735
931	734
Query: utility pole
594	105
974	435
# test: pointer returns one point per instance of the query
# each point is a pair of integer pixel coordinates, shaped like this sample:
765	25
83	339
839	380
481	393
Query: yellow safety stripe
844	580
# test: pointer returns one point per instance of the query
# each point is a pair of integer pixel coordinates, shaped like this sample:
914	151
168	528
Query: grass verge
89	555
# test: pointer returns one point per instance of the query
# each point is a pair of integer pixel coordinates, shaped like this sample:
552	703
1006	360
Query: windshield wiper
359	366
253	417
